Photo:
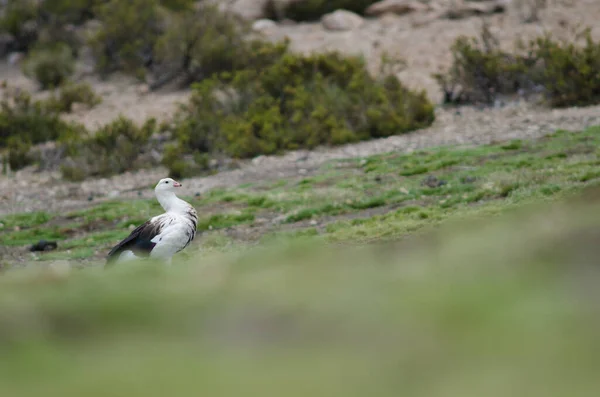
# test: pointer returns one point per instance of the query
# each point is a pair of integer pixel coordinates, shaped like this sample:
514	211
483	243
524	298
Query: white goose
164	235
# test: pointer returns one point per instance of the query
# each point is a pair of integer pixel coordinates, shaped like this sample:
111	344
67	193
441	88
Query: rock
342	20
264	25
314	223
252	10
44	245
78	107
279	219
432	182
469	9
143	89
15	58
258	159
399	7
7	42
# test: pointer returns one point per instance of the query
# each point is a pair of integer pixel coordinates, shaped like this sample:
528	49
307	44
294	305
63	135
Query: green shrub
19	153
113	149
481	71
19	18
33	121
71	93
51	65
297	102
127	36
198	44
567	74
69	11
178	5
311	10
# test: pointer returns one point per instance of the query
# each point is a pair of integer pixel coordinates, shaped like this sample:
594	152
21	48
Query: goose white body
164	235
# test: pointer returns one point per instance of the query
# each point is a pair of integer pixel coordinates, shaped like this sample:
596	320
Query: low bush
127	36
297	102
113	149
19	18
19	153
311	10
25	122
71	93
565	73
198	44
569	73
50	65
22	117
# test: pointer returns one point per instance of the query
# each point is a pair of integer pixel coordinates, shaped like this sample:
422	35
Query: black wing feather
138	241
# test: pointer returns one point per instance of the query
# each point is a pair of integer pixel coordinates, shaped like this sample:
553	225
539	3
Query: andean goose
164	235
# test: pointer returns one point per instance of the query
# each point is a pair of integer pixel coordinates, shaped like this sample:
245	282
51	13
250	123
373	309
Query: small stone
404	190
16	228
113	194
314	223
399	7
44	245
15	58
78	107
264	25
131	227
143	89
302	171
279	219
342	20
258	159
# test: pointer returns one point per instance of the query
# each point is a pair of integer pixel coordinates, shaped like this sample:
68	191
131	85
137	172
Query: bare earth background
422	40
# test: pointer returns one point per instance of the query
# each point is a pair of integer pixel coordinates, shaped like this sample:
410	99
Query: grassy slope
507	307
356	200
491	307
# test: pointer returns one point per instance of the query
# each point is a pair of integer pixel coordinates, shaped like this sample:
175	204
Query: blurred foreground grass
502	307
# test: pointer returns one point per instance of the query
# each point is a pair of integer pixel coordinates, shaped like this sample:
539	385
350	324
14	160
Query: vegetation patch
113	149
297	102
73	93
565	73
50	65
25	122
362	200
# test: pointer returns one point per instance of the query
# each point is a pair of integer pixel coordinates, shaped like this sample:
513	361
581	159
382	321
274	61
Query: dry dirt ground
422	41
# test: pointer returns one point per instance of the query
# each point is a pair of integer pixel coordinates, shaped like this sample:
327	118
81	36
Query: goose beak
177	184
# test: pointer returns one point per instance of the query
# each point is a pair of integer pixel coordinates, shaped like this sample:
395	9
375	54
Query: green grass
483	307
358	200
